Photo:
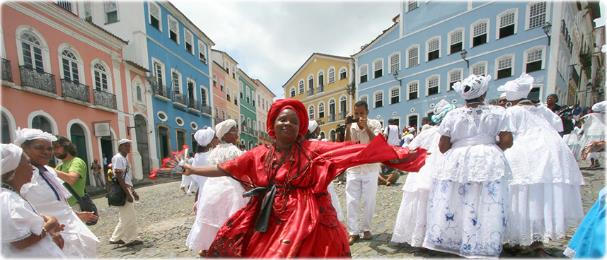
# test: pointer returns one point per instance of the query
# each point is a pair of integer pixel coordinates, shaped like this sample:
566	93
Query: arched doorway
6	129
107	150
163	138
42	123
141	130
78	138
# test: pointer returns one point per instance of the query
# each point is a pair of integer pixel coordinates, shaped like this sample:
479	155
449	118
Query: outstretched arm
207	171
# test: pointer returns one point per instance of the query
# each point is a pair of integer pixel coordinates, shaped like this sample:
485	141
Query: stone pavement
165	217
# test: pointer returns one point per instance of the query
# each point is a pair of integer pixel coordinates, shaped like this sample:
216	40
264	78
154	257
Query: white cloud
270	40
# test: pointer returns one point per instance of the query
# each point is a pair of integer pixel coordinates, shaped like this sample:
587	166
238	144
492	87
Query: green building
248	115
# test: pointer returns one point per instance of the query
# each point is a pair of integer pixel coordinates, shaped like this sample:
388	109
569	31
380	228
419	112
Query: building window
363	73
394	63
203	96
433	47
293	92
395	95
413	90
342	73
412	121
411	5
176	78
202	52
138	91
537	15
310	85
504	67
321	81
189	39
111	12
331	75
413	53
534	60
378	68
301	86
311	112
479	69
158	69
343	109
455	76
173	29
479	35
88	12
70	66
101	77
506	24
379	99
155	17
432	85
321	110
456	41
32	52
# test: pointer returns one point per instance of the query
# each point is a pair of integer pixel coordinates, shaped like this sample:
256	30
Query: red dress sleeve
244	168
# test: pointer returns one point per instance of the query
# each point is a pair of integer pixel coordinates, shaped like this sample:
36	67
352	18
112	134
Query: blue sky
271	39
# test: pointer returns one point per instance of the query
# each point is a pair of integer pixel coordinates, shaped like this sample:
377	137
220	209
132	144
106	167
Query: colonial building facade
225	87
431	45
265	97
248	112
324	84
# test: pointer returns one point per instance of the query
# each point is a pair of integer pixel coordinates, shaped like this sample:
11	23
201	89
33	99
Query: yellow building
324	84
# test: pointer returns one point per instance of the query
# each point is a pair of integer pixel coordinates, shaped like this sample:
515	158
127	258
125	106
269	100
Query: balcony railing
159	89
6	70
37	79
105	99
178	98
206	110
75	90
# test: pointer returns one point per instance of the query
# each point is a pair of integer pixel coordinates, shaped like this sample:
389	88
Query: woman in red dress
290	212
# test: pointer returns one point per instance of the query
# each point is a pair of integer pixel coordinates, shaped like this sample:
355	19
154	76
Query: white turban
224	127
11	157
25	134
204	136
312	126
472	87
124	141
440	106
503	95
599	107
518	88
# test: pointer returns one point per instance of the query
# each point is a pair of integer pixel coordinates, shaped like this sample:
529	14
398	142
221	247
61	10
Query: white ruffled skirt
542	212
335	201
467	219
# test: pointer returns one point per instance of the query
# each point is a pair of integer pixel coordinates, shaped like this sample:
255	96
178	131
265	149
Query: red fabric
283	104
303	223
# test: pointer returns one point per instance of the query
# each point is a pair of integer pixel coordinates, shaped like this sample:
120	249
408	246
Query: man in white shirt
392	133
361	181
126	229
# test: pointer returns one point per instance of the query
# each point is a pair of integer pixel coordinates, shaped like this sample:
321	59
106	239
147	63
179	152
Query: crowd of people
481	179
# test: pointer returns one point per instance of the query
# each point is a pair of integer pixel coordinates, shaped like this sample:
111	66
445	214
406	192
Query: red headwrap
283	104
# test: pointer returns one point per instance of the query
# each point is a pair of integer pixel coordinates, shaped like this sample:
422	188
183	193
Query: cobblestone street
165	217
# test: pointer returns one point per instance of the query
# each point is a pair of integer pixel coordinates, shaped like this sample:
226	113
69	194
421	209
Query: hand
187	170
348	124
51	224
86	216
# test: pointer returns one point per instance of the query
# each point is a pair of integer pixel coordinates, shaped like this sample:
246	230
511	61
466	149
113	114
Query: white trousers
361	188
126	230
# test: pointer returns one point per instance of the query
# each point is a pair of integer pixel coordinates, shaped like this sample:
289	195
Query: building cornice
321	55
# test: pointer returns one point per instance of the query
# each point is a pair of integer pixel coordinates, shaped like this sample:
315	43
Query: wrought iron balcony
178	98
159	88
75	90
37	79
206	110
105	99
6	70
192	104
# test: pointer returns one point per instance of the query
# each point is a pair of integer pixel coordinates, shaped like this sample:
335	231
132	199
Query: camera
351	119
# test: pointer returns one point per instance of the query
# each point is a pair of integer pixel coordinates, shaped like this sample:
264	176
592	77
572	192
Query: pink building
220	101
65	76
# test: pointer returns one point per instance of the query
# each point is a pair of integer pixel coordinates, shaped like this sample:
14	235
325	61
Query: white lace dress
545	194
467	207
220	197
593	129
193	240
410	226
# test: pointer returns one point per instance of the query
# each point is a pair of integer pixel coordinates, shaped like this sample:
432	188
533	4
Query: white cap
11	157
312	125
204	136
518	88
124	141
25	134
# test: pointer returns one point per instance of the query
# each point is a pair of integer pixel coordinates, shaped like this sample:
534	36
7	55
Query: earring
508	104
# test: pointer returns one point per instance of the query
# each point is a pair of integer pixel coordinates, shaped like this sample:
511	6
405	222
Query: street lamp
547	28
395	75
463	54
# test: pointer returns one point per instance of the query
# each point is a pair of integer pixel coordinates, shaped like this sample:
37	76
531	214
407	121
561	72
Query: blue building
431	45
176	54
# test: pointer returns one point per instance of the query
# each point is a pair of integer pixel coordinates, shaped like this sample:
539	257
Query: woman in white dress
467	207
48	196
410	226
206	140
593	130
545	197
25	233
220	197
